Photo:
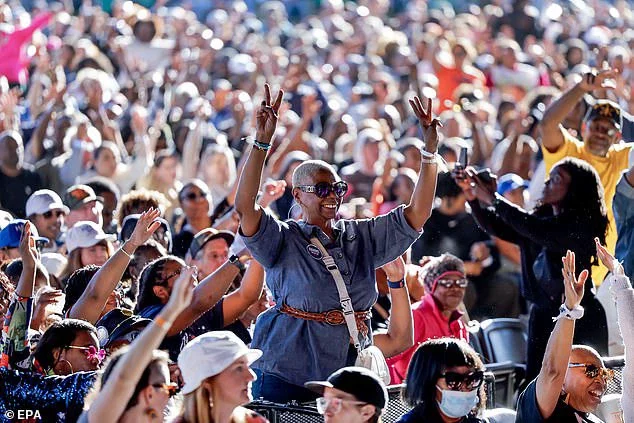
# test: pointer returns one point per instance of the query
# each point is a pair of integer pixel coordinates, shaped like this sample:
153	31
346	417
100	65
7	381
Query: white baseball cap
85	234
54	263
44	200
209	354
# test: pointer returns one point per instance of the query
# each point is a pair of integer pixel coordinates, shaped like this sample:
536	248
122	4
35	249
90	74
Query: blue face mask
457	404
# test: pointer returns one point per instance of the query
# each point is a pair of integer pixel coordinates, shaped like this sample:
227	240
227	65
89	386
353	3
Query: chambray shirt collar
339	230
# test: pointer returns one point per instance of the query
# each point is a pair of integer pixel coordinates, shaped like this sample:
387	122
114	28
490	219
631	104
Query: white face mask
456	404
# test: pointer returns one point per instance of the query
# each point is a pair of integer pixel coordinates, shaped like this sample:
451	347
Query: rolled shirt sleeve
265	244
391	235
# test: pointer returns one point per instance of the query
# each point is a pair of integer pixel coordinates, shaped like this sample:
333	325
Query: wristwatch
235	260
396	284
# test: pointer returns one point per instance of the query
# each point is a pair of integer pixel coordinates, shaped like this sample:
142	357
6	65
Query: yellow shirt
609	169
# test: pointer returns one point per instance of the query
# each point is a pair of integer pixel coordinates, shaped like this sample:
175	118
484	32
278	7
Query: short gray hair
303	173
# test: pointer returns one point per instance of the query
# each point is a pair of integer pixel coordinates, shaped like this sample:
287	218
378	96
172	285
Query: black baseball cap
116	324
358	381
605	109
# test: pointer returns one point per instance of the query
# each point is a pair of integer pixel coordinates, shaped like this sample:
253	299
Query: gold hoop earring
68	362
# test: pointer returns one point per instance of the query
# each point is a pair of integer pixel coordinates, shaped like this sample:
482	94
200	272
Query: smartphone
462	158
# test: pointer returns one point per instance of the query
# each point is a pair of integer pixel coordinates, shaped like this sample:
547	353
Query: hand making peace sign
428	122
267	115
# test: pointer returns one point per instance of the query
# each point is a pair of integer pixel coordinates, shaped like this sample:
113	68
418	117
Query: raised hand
597	80
267	115
484	190
182	292
144	229
608	259
228	222
27	248
429	124
573	286
138	120
462	180
48	301
395	270
272	190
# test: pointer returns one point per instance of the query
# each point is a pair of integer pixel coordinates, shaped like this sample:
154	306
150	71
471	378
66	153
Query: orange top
450	78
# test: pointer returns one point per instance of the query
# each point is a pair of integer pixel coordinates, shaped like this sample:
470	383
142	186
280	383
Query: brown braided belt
332	317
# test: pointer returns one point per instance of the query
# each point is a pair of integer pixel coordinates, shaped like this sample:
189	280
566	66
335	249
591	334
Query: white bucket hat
209	354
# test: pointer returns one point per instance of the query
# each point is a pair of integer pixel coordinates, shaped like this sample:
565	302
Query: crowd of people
203	204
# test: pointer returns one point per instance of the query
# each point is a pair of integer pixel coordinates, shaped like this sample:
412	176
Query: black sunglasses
457	380
192	195
50	213
323	189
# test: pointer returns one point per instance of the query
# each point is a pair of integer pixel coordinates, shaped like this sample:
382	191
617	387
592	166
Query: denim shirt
623	207
298	350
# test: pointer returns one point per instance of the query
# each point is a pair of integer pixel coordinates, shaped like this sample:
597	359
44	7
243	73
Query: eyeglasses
51	213
193	196
323	189
456	381
91	352
334	404
170	389
592	371
165	280
448	283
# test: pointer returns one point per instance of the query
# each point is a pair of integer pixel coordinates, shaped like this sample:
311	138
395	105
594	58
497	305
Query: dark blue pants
271	388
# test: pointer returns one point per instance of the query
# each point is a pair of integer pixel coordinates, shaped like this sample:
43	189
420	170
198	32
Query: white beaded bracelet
566	313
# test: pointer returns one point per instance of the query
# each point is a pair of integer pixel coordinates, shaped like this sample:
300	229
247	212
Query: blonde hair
197	405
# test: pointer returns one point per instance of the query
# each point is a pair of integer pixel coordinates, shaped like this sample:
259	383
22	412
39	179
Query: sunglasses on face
193	196
456	381
448	283
170	389
51	213
91	352
592	371
323	189
334	404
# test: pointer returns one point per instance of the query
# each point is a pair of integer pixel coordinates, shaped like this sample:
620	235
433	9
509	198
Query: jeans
271	388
